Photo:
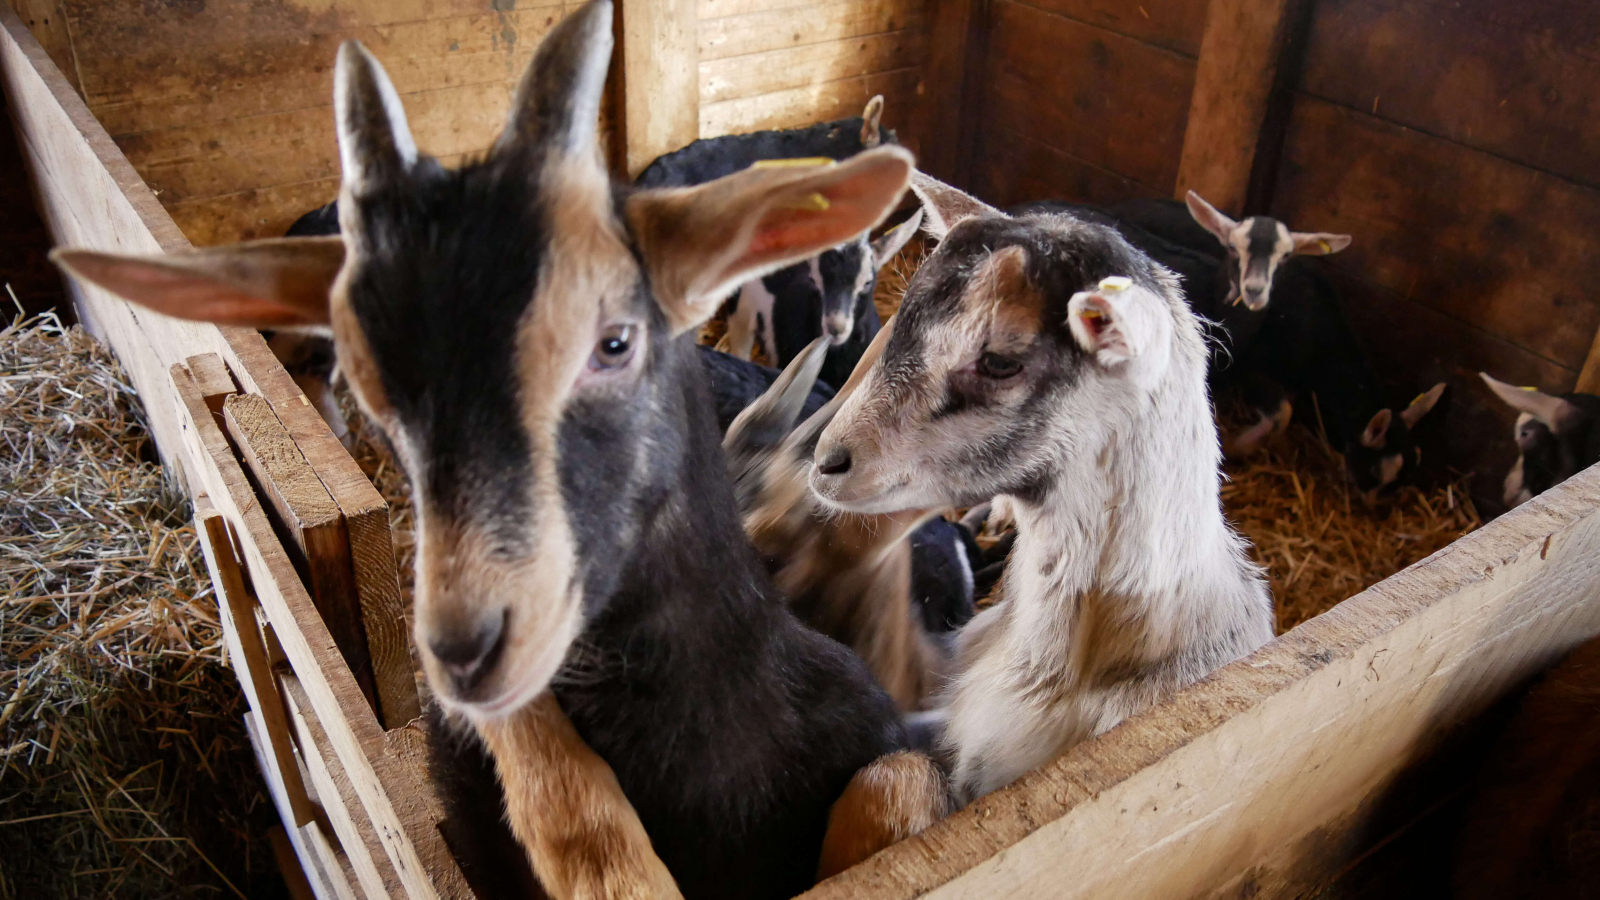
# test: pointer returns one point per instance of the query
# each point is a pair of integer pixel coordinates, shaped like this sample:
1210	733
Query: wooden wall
1083	99
782	63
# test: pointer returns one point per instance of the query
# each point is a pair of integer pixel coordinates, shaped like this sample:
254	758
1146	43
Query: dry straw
124	767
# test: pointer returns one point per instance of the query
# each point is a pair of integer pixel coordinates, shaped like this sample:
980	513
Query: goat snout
837	462
838	326
468	654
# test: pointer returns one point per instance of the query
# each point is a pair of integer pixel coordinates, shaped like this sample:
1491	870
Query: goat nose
837	462
468	656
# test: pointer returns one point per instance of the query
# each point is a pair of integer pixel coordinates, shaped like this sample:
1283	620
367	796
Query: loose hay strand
111	665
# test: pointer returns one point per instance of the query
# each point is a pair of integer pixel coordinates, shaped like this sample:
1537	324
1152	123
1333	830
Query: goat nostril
467	658
837	462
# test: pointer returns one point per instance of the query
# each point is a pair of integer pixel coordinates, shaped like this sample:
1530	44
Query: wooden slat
366	517
308	519
334	863
660	78
48	21
814	103
1520	80
1268	778
1014	168
957	39
810	24
360	843
310	865
294	875
236	609
211	376
800	67
1111	101
1589	376
1239	58
1173	24
1500	247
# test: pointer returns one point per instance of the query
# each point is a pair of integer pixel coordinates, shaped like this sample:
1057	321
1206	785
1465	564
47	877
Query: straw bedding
124	765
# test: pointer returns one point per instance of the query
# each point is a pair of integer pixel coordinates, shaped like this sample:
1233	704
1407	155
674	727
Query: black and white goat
1045	360
830	294
522	330
1557	437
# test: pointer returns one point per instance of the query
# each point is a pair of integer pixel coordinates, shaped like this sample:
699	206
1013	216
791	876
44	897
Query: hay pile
124	766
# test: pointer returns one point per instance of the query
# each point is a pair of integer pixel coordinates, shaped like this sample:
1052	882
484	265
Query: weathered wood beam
660	89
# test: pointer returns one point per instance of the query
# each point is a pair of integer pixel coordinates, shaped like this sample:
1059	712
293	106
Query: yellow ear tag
1091	314
1415	400
1115	284
1529	389
1326	247
810	203
799	162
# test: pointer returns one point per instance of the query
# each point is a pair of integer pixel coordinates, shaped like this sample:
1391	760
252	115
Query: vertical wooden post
660	90
1589	377
945	126
1239	57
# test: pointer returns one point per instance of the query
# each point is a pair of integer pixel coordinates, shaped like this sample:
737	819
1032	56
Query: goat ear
277	283
1116	321
557	104
1209	217
1554	412
894	240
767	421
1318	243
945	206
870	135
699	243
375	145
1377	430
1421	406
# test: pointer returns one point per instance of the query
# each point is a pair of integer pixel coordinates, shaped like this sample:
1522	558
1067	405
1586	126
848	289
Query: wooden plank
47	19
1015	168
309	864
333	862
360	843
1266	778
1589	375
210	374
814	103
294	874
1499	246
957	37
1239	57
388	791
1520	80
1111	101
814	23
799	67
309	521
660	78
366	520
1175	25
236	609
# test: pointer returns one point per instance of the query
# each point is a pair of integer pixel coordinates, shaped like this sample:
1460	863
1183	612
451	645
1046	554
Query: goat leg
890	799
567	810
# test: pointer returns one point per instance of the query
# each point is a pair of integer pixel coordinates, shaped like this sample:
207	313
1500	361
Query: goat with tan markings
1045	360
522	329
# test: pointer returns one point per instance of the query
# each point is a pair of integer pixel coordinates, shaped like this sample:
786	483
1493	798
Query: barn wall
1084	99
1460	144
783	63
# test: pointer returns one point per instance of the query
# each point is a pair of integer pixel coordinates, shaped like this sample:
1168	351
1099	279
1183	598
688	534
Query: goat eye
614	348
993	365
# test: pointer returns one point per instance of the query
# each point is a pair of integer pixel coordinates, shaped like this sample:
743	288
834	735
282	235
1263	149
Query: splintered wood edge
1267	770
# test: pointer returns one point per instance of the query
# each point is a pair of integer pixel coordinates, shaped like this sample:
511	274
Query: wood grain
814	103
813	23
1501	247
1173	24
1239	58
660	78
799	67
951	78
1014	168
47	19
308	861
211	376
1108	100
1267	778
1519	80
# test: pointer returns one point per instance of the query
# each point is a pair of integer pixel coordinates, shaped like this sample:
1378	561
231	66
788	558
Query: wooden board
1519	80
309	862
812	23
958	38
1014	168
800	67
211	376
1174	24
307	520
1503	248
814	103
47	19
1108	100
660	78
1268	778
1239	57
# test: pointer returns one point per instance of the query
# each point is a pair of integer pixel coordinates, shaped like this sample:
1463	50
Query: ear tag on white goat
1327	248
797	162
1115	284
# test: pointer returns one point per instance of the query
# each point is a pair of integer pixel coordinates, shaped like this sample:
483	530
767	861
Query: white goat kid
1045	360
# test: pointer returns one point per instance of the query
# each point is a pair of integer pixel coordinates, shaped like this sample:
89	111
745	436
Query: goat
829	294
848	576
1045	360
1556	436
522	330
1531	824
